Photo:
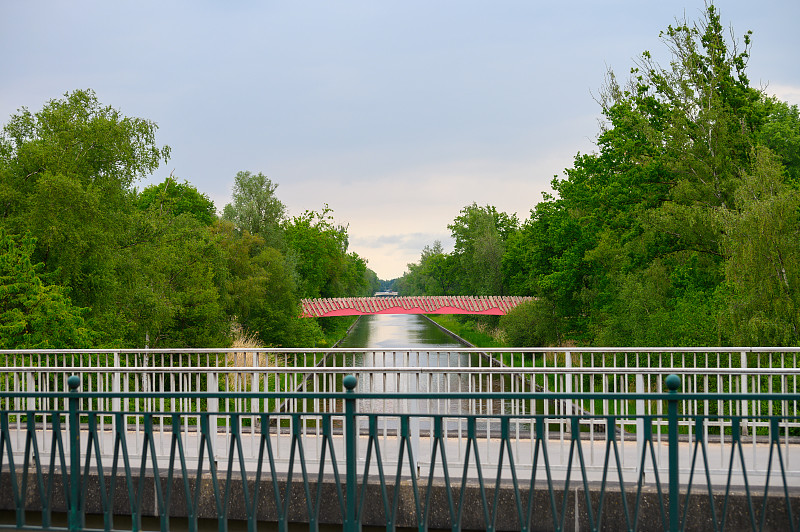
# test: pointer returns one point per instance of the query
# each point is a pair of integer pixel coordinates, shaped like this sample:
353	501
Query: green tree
167	273
317	253
633	250
66	177
435	274
176	199
34	315
781	134
761	235
255	207
259	292
480	234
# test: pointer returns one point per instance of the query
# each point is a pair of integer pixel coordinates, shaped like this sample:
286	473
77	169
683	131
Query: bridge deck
359	306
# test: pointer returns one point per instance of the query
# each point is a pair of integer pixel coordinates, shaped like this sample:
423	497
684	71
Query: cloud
787	93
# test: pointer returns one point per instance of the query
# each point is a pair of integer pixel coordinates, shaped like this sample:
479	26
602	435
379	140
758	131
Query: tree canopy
88	260
680	229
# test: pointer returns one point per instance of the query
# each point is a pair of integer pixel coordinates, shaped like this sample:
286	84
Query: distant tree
317	253
435	274
480	235
255	207
371	280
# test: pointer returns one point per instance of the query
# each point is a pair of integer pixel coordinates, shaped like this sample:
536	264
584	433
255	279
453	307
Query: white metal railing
475	371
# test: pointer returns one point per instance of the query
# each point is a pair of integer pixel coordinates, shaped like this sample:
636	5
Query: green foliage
781	134
761	238
317	252
531	324
154	267
650	241
681	229
480	234
66	177
259	292
255	207
34	315
165	293
176	199
435	274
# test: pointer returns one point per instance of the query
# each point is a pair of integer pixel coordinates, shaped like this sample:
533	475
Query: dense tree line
88	260
680	229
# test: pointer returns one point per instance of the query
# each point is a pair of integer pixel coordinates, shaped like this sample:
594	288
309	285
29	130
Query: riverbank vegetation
680	229
88	260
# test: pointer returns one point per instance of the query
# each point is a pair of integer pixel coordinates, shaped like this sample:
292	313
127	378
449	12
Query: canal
389	331
415	345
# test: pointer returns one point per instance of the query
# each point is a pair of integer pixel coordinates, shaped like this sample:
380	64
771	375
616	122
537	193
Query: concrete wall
576	516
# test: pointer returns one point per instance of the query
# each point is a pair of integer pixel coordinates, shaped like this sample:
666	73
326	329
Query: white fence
637	371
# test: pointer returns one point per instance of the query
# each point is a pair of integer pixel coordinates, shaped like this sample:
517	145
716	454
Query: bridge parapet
360	306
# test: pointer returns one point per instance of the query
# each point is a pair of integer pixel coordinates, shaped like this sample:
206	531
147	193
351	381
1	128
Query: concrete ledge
574	507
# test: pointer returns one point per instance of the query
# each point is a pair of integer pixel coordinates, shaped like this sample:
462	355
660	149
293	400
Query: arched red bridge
359	306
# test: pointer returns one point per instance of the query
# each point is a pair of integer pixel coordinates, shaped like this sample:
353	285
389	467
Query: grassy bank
473	332
335	328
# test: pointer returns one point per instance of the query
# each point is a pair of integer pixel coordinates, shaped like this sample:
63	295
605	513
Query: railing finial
74	382
350	382
673	382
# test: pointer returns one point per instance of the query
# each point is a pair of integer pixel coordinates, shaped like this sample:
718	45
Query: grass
475	333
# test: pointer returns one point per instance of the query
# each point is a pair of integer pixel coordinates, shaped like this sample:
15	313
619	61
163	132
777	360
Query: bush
531	324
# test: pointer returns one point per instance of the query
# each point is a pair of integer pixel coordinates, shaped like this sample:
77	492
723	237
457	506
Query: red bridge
358	306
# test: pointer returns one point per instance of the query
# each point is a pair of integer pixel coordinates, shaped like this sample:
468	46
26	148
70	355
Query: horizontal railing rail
365	467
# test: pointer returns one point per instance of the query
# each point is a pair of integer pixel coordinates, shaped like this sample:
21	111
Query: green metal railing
93	488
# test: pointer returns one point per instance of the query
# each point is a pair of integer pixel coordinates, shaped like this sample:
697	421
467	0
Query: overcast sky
395	114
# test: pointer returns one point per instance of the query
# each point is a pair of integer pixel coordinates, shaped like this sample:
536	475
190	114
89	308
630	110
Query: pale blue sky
396	114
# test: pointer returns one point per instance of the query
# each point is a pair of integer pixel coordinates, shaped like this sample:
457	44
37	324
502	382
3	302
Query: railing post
744	391
212	406
673	382
350	382
567	389
73	507
640	413
116	384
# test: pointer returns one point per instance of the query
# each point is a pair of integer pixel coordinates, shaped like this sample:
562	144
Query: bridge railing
147	375
52	460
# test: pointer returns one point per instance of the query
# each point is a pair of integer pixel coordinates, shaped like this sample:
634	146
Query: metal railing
162	381
482	482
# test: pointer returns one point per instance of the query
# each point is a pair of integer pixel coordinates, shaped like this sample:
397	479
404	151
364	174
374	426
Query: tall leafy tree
642	243
317	251
255	207
480	235
66	177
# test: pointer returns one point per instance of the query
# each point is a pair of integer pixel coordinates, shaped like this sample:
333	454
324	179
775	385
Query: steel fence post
73	508
640	413
673	382
350	524
744	413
